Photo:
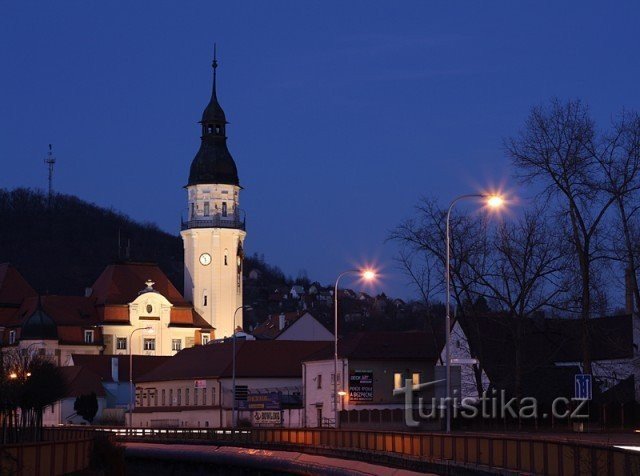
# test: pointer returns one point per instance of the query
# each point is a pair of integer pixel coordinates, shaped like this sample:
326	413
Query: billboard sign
266	418
361	386
260	401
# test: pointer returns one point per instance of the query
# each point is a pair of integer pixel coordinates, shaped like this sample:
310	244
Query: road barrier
60	451
530	454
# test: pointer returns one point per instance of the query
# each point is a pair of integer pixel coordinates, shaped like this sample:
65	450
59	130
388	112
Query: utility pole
50	161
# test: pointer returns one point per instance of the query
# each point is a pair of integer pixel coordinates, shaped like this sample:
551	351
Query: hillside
62	249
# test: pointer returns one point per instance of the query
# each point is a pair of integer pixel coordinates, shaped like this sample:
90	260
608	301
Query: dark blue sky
342	113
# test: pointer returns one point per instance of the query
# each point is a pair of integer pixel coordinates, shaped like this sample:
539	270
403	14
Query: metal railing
232	220
533	454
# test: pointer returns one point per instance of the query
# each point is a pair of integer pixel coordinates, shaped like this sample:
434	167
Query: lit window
12	337
205	339
88	337
149	344
415	378
121	343
176	345
397	380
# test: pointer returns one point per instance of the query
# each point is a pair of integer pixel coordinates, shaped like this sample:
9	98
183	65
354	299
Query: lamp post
368	275
493	201
131	389
233	368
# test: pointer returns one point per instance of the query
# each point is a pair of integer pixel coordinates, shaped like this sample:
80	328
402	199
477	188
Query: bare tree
556	148
619	155
523	275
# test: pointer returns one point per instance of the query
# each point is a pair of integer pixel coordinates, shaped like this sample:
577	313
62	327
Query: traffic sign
583	387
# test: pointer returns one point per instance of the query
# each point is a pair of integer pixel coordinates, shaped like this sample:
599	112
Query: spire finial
215	66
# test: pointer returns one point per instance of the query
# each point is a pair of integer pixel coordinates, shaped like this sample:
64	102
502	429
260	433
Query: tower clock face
205	259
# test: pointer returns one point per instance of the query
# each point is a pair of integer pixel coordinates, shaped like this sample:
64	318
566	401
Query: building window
12	337
206	209
149	308
170	397
319	380
88	337
226	256
224	209
397	380
176	345
205	339
195	396
149	344
121	343
213	396
204	396
186	396
164	400
179	396
193	210
204	300
415	379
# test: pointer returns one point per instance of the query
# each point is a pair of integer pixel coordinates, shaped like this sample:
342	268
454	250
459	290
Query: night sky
342	114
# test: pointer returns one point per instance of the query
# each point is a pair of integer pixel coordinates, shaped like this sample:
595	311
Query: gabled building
292	326
124	298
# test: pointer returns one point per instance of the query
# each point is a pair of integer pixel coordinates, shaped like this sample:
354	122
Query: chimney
114	369
281	321
628	291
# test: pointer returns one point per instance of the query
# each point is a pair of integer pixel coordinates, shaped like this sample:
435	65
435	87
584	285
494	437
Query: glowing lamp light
495	201
13	375
342	393
369	274
28	374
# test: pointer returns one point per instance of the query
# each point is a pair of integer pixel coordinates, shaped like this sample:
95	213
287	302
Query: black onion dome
213	164
213	112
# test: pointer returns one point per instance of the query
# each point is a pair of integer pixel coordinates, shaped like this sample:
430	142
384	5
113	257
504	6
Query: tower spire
214	65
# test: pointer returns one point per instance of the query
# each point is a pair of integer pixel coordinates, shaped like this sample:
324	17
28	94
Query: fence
434	451
61	451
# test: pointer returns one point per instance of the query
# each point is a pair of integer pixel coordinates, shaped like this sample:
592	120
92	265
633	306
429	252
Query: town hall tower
214	231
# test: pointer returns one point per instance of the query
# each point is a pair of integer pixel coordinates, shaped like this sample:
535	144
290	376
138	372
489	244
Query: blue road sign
583	387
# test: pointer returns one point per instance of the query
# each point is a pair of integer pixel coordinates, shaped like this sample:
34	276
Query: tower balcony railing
235	220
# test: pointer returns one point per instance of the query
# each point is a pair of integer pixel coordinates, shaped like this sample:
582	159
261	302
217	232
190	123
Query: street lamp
131	389
492	201
233	368
367	275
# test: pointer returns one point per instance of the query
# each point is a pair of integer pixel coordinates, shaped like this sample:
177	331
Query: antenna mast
50	161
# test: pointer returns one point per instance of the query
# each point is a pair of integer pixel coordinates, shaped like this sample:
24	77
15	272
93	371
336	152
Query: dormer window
12	337
88	337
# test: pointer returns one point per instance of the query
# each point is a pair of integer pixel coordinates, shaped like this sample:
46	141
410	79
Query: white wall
306	327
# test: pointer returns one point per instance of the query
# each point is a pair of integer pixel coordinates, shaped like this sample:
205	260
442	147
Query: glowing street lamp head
368	275
495	201
13	375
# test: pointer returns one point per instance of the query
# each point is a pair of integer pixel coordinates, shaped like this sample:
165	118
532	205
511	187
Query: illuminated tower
214	231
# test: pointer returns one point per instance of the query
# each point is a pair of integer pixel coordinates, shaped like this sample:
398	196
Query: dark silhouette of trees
86	406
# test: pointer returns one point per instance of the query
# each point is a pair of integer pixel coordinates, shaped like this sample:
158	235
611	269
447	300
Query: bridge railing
533	454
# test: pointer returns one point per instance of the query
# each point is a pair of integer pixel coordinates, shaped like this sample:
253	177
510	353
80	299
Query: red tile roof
255	358
122	283
81	381
387	345
101	365
64	310
13	287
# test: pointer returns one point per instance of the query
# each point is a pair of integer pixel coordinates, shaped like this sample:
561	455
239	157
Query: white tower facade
214	231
